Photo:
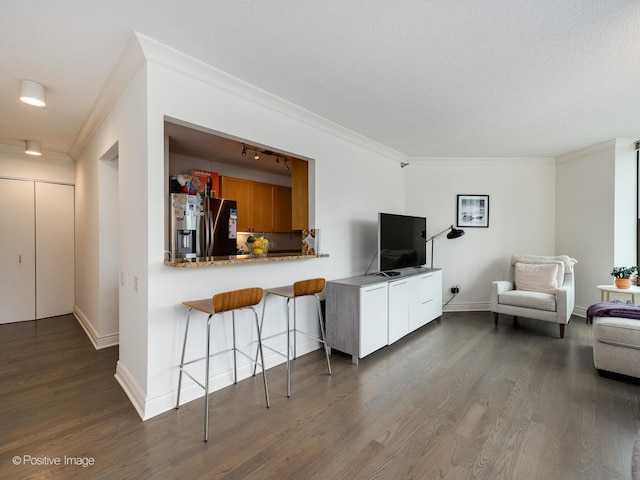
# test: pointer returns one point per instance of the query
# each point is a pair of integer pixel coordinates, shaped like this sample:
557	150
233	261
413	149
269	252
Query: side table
609	289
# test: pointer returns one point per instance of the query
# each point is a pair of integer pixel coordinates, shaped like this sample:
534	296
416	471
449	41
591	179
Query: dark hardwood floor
458	399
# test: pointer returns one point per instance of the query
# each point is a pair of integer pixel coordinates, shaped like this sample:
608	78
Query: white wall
352	179
596	213
625	211
522	203
109	188
352	184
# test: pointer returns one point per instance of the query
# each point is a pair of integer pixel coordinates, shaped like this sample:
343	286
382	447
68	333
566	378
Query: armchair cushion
528	299
536	277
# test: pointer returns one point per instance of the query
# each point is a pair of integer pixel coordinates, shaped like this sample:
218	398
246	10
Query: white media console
367	312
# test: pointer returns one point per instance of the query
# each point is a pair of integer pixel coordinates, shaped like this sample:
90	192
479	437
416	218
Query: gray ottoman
616	345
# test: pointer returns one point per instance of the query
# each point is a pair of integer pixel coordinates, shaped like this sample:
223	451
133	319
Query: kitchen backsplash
278	242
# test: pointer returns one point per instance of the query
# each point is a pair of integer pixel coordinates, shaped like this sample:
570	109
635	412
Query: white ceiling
497	78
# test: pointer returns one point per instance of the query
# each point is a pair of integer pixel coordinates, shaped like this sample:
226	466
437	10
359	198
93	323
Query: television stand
390	273
365	313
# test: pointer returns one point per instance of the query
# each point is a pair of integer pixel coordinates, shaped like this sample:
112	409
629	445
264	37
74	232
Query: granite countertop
238	259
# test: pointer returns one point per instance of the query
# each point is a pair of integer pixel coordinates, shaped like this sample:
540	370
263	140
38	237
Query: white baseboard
131	388
467	307
580	312
166	401
486	307
99	341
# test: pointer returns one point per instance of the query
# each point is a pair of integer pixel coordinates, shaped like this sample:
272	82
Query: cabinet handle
376	288
19	258
428	276
397	284
427	301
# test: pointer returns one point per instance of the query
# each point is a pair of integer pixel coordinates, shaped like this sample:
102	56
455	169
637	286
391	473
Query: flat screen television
401	241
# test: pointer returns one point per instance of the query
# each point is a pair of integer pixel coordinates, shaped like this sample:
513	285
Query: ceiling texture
428	78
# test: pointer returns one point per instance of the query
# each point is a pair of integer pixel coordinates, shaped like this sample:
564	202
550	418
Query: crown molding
599	147
173	59
483	160
126	67
142	49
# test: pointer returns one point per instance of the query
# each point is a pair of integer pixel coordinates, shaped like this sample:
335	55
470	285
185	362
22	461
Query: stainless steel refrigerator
218	227
202	227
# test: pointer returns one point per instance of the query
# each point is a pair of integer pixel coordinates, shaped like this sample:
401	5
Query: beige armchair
540	287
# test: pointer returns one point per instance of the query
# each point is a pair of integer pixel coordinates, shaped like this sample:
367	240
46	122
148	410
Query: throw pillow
536	277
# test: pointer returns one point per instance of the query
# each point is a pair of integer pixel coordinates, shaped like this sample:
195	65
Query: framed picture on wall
473	211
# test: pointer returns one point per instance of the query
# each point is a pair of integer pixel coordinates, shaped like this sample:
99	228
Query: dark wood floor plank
456	400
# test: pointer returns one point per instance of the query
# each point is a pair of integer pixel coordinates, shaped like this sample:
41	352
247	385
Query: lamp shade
32	147
455	233
33	93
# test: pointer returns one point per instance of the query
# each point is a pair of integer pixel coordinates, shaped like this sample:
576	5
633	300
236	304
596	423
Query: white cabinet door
425	299
373	319
55	287
17	251
398	310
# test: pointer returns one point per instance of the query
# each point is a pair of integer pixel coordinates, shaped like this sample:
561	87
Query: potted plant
622	275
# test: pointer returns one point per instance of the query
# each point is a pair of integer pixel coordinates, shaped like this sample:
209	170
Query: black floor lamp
453	233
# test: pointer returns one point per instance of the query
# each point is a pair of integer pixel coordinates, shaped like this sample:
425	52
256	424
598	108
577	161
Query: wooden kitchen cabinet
255	202
282	209
239	190
261	209
300	194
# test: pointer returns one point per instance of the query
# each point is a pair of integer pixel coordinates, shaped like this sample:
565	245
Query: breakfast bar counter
238	259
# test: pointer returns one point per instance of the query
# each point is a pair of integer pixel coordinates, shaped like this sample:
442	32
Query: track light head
244	150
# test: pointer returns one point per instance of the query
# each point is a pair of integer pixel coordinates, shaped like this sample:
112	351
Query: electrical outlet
455	289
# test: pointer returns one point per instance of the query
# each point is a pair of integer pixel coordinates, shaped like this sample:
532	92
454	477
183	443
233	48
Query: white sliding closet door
17	251
55	286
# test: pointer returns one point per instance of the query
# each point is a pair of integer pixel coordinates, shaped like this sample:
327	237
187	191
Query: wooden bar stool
302	288
222	302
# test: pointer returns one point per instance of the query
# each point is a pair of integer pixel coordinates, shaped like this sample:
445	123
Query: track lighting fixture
280	162
32	147
33	93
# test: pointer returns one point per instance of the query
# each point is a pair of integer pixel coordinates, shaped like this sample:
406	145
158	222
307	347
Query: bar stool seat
303	288
222	302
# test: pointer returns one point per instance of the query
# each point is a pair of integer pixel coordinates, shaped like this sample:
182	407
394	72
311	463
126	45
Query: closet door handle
19	258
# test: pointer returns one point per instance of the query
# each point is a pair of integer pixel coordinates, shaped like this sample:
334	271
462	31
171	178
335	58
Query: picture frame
473	211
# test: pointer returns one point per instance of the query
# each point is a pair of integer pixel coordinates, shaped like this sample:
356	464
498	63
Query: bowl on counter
259	247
